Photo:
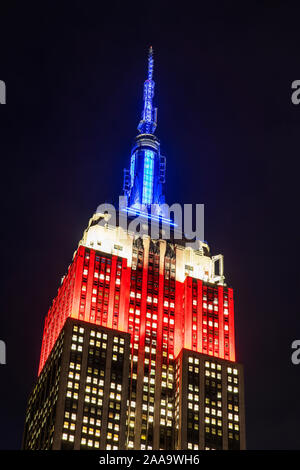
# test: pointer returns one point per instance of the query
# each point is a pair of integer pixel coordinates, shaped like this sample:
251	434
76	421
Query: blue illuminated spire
148	122
145	179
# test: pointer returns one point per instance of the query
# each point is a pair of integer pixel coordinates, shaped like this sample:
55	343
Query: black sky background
74	73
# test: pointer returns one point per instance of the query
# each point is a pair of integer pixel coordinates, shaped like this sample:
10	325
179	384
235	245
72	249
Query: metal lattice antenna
148	122
150	63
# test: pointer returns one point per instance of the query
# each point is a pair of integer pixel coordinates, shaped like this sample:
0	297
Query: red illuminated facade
103	290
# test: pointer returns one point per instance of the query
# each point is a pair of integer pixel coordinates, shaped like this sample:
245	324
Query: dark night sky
74	73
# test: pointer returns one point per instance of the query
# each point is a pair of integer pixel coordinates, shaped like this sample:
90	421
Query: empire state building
138	347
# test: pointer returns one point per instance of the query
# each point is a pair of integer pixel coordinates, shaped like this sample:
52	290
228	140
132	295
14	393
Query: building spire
148	122
150	63
144	181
